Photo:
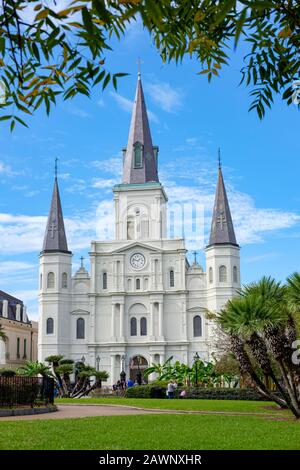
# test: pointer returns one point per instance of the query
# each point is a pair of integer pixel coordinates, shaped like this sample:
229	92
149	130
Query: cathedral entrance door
138	364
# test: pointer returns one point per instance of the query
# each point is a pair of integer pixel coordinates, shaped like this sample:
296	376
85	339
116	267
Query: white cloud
165	96
13	267
101	103
77	112
101	183
126	105
6	169
111	166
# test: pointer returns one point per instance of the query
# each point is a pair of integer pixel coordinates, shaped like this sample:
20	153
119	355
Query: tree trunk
246	368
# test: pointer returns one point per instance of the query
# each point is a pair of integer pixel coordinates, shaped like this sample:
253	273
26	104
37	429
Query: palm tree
258	320
161	370
35	368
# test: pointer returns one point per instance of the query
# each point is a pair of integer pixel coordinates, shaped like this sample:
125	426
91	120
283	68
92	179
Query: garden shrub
211	393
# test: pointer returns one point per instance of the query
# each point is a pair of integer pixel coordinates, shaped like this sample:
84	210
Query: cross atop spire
55	239
222	230
219	158
140	160
139	62
55	168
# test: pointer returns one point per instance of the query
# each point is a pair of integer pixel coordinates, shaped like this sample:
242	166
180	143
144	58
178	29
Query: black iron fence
30	391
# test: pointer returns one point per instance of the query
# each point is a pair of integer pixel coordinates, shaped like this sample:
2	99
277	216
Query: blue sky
189	120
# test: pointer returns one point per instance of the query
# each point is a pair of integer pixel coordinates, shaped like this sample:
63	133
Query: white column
151	329
112	368
5	309
152	361
113	320
122	320
160	319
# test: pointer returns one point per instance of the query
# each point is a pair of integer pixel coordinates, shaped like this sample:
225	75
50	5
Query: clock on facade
137	261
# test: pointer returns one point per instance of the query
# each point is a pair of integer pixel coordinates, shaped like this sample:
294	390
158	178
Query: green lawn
165	432
238	406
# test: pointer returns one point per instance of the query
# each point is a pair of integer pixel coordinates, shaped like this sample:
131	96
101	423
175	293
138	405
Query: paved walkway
83	411
90	410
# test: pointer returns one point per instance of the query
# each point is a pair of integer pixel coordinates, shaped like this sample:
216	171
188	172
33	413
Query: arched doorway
137	366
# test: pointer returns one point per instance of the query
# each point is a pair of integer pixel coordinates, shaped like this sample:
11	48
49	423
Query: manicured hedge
154	391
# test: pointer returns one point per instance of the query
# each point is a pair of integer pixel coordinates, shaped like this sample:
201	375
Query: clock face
137	261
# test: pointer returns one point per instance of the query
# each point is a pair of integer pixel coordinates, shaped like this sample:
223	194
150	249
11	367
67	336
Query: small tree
34	368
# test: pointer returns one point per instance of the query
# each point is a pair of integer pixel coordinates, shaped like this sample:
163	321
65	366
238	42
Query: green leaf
87	20
227	5
106	81
103	13
2	45
239	26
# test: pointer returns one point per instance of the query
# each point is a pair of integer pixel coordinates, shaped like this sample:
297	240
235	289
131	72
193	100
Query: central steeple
140	157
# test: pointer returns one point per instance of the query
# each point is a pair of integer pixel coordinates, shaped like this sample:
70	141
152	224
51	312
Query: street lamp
123	373
97	362
196	359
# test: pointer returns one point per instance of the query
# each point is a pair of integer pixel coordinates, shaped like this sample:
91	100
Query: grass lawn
181	432
237	406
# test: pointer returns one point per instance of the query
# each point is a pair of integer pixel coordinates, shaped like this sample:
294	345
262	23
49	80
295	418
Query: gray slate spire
55	236
139	133
222	231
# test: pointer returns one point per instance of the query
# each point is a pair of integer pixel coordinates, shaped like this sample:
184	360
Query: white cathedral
142	301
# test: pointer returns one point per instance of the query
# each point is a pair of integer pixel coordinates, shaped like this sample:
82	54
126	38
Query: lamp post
196	359
139	373
97	362
123	373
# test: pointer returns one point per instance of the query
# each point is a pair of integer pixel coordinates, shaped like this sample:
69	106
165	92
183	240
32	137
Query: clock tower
140	200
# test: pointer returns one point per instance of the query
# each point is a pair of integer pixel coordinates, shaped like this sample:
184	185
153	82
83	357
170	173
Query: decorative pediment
79	311
137	244
197	309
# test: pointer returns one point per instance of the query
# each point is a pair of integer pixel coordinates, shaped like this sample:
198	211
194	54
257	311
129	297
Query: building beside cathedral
21	334
142	301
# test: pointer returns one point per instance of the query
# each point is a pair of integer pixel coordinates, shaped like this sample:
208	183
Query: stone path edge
27	411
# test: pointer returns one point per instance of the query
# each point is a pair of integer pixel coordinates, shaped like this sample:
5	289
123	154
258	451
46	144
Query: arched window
172	279
138	155
41	281
197	324
104	281
80	328
50	280
235	275
64	280
18	348
143	326
210	275
25	349
137	284
133	327
222	274
50	326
